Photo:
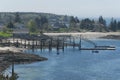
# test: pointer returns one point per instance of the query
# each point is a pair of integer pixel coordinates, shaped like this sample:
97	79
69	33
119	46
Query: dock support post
13	66
33	45
63	45
17	44
25	44
50	45
36	43
28	44
41	45
21	42
57	47
80	43
73	43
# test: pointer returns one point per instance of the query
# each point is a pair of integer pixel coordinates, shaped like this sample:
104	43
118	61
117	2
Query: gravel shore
85	34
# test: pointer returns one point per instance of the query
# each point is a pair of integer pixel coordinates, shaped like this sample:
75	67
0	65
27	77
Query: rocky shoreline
7	57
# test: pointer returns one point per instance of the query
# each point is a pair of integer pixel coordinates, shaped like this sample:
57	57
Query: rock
7	57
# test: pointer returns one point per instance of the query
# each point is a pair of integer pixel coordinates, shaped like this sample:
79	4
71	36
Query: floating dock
100	48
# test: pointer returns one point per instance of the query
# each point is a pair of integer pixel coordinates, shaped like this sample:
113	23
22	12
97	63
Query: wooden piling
17	44
36	44
28	44
21	42
73	43
80	43
13	66
33	45
70	39
50	44
57	46
63	45
25	44
13	38
41	44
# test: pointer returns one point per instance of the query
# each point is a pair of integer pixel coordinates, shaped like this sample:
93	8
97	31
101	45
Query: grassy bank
4	34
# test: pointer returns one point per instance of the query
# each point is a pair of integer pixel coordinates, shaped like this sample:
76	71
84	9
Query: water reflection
73	64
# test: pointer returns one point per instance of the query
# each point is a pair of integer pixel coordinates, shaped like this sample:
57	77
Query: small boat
95	51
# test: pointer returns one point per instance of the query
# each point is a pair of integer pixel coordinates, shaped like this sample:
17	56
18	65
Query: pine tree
87	24
113	25
10	25
73	22
38	22
102	21
17	18
118	25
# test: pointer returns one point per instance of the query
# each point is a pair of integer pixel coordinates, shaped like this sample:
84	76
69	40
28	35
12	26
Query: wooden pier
52	42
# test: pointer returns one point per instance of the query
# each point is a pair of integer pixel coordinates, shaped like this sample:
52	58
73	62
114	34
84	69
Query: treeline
46	22
99	25
35	22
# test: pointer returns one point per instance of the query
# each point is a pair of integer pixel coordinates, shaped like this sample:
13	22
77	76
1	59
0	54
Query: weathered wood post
57	47
63	45
41	44
70	38
13	65
80	43
50	45
25	44
17	44
36	44
33	45
0	41
73	43
13	37
28	45
66	42
21	42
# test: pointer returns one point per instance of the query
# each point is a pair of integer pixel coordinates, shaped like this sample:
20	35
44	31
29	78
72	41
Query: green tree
77	20
10	25
102	21
113	25
42	23
118	25
38	23
32	26
73	23
87	24
72	20
17	18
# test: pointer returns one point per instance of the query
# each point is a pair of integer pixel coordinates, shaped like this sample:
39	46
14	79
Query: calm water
74	64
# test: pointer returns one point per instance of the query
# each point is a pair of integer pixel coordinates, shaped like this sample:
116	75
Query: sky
80	8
